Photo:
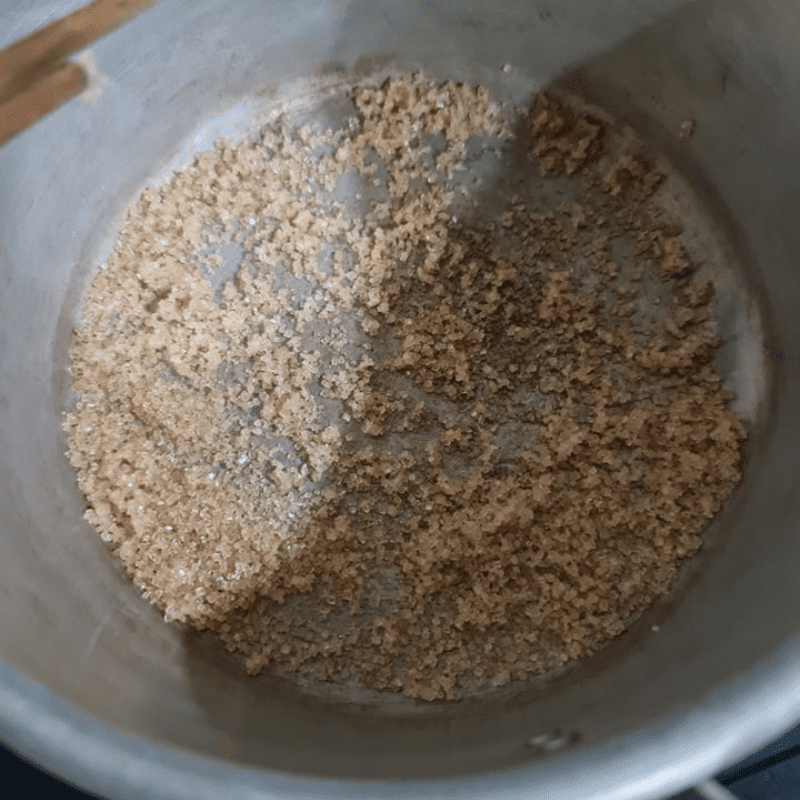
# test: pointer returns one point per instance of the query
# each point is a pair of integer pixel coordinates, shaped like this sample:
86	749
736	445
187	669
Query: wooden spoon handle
34	79
39	98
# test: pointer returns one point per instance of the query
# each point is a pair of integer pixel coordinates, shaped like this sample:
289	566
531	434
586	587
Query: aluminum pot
95	686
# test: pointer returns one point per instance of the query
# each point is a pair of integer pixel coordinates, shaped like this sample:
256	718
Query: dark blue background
771	774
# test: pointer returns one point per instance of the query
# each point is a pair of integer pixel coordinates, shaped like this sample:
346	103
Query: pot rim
667	756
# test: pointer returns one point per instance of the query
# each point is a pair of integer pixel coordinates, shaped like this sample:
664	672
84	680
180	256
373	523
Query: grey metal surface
712	790
94	685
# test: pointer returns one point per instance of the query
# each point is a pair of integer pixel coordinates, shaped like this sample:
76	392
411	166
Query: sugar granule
402	447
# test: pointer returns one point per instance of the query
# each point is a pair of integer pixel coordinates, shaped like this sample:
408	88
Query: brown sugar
402	447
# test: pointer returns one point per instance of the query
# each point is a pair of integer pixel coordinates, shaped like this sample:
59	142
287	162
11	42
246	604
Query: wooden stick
28	60
65	80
